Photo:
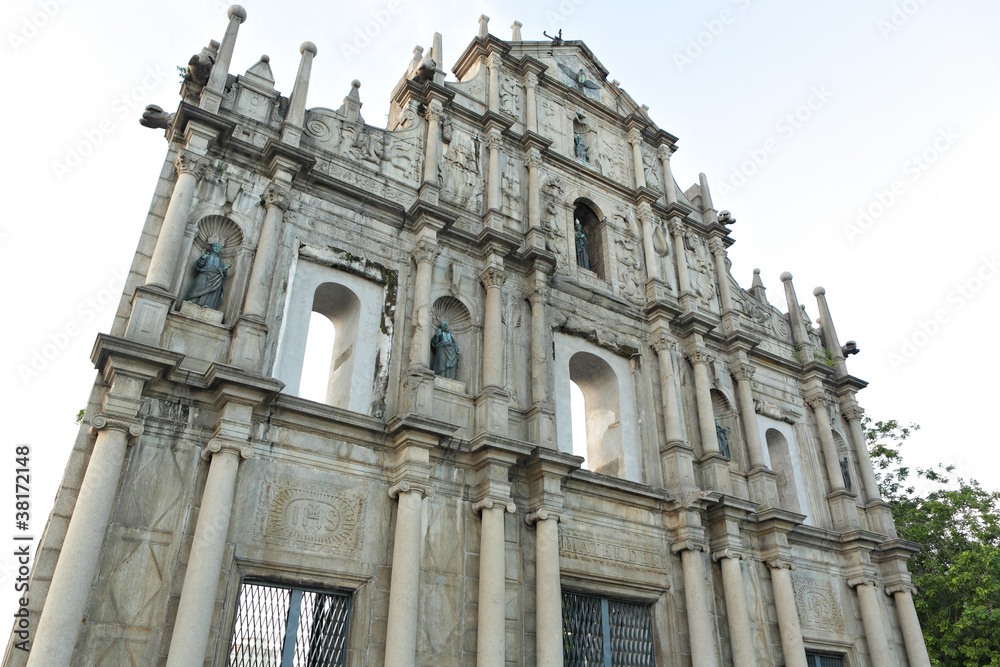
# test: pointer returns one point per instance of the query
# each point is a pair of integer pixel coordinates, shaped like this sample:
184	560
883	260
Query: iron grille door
824	660
289	627
598	632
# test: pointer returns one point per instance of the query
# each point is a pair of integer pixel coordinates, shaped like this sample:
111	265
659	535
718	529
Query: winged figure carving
579	78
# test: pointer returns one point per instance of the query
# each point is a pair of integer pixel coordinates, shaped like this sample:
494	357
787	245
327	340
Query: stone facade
725	492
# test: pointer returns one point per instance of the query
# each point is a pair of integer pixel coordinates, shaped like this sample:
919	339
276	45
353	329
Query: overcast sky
855	143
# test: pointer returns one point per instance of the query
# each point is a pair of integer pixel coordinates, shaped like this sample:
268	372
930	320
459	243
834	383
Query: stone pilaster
730	321
714	466
676	455
530	106
541	422
493	64
492	403
435	115
634	138
494	142
645	215
534	162
664	152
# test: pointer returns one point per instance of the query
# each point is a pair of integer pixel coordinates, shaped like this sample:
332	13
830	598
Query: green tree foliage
957	573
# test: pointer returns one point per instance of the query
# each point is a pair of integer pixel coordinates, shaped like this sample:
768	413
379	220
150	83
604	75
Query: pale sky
854	142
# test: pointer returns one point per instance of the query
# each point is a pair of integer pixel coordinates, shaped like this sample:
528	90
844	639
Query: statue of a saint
845	471
207	288
722	434
582	258
445	351
580	149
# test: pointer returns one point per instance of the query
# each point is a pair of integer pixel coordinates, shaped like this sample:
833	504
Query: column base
843	509
677	462
880	518
763	486
542	427
491	411
150	307
715	473
249	344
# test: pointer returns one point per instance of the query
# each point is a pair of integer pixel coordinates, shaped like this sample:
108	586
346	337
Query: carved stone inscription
621	553
294	515
818	606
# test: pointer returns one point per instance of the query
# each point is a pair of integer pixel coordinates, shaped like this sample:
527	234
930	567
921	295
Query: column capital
189	163
698	355
494	139
743	372
852	411
539	295
901	587
425	490
435	110
717	247
634	136
781	564
218	445
492	276
426	251
817	401
660	342
544	514
489	503
531	79
734	554
275	195
130	427
867	579
494	61
675	226
664	151
534	159
689	545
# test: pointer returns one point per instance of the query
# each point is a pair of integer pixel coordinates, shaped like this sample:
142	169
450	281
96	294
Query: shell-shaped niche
220	229
451	310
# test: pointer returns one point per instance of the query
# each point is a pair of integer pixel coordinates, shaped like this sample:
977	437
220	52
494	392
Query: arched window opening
587	233
602	413
341	308
579	421
781	463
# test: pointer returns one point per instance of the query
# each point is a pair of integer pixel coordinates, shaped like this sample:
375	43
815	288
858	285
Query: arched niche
342	308
588	217
219	229
611	415
457	315
725	419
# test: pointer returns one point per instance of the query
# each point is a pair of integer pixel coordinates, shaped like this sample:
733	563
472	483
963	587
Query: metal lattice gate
289	627
598	632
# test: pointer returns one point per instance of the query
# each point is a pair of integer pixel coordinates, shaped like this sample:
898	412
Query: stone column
548	590
819	403
66	603
718	249
211	97
744	375
493	64
792	648
404	586
276	202
433	148
295	117
670	189
853	414
700	620
676	228
799	336
652	260
494	141
533	162
493	369
163	266
700	359
201	579
492	587
425	253
913	637
635	138
539	367
871	617
530	109
737	612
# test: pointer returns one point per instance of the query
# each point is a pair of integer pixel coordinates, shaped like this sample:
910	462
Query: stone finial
757	289
307	46
516	27
819	291
484	26
291	130
237	12
785	276
351	108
